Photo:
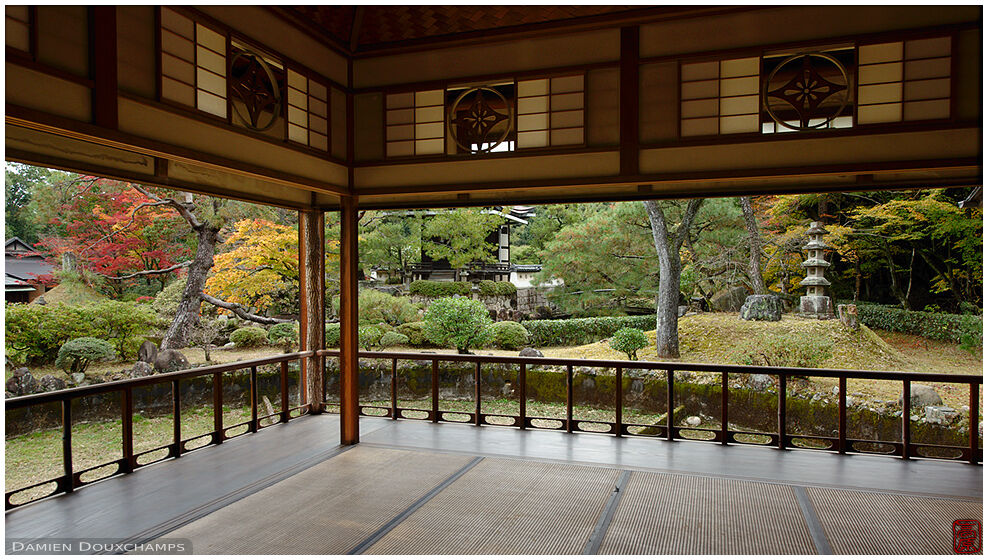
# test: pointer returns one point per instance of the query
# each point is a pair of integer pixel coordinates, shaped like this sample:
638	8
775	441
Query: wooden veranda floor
417	488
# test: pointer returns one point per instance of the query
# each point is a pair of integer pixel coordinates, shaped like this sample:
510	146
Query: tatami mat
327	509
507	507
873	523
678	514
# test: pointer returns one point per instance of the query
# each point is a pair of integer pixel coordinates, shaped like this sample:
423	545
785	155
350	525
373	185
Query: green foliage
284	335
490	288
789	349
629	341
77	354
962	329
249	337
433	288
34	333
369	336
166	302
571	332
460	236
390	241
379	307
123	323
332	335
415	333
391	339
509	335
458	322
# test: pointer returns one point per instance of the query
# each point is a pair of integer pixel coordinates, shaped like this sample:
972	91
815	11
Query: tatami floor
417	488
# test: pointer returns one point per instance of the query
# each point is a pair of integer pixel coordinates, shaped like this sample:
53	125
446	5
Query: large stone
78	377
848	315
760	381
729	300
764	307
816	307
530	353
921	396
147	352
51	383
170	360
141	369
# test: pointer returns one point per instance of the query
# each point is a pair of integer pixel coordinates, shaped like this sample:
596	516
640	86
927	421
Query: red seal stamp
967	536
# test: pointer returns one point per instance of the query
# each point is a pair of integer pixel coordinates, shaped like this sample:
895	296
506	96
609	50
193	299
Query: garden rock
693	421
78	378
21	382
141	369
170	360
760	381
51	383
530	353
729	300
763	307
229	345
921	396
848	315
682	310
940	414
147	352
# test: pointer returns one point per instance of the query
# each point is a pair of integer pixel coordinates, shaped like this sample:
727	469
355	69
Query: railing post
253	399
670	374
67	445
973	428
435	391
218	435
177	417
476	390
724	394
394	388
906	408
127	428
284	392
618	396
523	397
842	415
782	411
569	399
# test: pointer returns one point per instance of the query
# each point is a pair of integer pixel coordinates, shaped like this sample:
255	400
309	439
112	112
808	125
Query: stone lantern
815	303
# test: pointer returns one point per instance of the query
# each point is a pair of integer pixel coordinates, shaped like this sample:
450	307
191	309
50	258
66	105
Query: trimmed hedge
491	288
415	333
570	332
249	337
433	288
937	326
509	335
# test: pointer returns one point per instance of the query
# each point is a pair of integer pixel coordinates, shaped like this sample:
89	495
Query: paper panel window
904	80
719	97
414	123
551	112
18	28
308	111
193	64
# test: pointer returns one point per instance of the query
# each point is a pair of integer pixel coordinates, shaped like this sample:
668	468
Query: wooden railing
905	447
72	479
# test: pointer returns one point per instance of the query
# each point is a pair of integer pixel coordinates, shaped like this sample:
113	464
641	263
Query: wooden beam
629	100
312	290
103	64
349	395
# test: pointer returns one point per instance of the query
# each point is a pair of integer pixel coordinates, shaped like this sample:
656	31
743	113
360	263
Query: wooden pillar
349	396
103	64
629	100
312	290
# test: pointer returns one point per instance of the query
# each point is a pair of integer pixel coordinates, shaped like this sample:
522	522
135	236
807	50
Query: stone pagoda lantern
815	304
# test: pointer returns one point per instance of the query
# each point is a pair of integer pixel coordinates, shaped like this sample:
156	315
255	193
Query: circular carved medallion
806	87
476	120
254	85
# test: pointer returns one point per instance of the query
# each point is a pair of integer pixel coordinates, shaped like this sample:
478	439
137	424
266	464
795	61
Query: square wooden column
312	293
349	396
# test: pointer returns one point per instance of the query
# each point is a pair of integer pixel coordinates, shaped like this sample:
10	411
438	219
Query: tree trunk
670	267
188	307
754	247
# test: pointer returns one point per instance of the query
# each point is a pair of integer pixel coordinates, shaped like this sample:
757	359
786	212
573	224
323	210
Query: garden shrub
433	288
415	333
962	329
166	302
122	323
392	339
509	335
571	332
378	307
77	354
284	335
34	333
629	341
462	323
369	336
249	337
491	288
332	335
789	349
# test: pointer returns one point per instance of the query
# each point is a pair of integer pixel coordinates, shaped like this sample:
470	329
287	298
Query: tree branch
241	312
133	218
146	272
181	208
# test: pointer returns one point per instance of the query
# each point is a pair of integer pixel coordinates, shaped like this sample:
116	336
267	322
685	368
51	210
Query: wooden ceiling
374	29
